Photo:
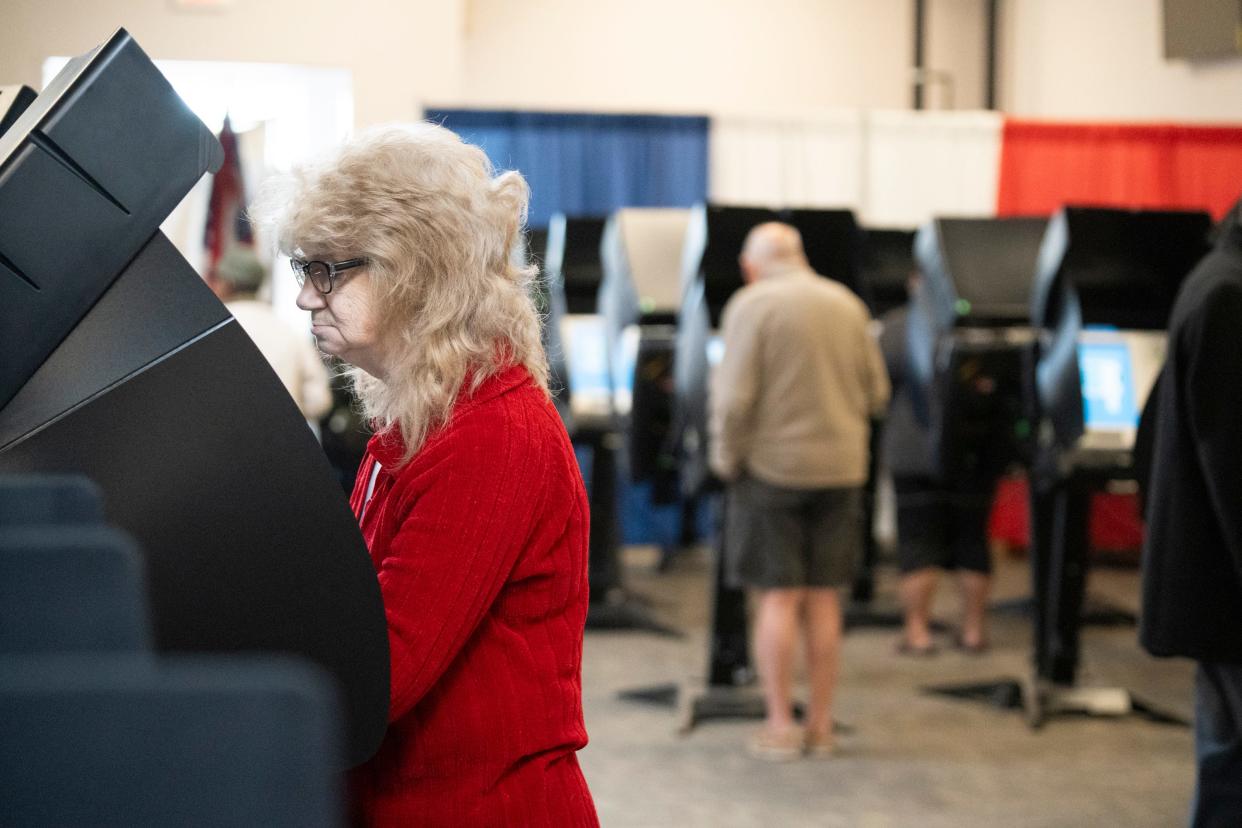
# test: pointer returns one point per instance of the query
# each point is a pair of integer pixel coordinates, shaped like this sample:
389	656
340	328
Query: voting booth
122	366
887	263
594	399
715	235
1104	286
969	325
642	251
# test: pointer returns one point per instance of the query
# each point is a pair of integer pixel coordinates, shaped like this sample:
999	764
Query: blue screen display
586	348
1107	385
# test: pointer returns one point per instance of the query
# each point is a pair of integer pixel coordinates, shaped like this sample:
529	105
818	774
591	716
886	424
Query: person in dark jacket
1192	558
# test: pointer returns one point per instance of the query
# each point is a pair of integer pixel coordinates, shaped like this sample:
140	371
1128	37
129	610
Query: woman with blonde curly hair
469	496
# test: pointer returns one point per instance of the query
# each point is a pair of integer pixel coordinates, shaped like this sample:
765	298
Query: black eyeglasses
322	274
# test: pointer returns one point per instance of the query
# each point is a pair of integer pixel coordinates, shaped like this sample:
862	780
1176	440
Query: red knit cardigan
480	543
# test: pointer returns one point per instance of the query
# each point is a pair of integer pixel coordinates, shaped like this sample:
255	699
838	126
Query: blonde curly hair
438	227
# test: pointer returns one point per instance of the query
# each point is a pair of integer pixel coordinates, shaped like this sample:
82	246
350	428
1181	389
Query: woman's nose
309	299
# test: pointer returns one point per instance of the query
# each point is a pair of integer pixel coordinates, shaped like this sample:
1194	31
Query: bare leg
975	587
776	634
917	589
823	655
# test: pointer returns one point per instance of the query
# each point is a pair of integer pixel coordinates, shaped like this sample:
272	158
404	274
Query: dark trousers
1218	746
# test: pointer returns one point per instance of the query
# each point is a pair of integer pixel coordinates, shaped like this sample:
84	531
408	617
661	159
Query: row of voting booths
1034	344
634	301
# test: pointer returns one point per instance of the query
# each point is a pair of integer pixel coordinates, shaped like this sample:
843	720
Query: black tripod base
658	695
1096	611
1041	701
872	614
721	702
1005	694
1099	612
1097	702
619	610
881	614
715	702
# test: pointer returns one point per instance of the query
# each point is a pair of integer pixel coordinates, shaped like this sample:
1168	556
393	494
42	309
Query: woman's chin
326	345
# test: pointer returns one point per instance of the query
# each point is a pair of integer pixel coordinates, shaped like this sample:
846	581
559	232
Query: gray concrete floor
912	758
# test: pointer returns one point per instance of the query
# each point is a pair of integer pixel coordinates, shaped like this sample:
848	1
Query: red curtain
1046	165
1114	524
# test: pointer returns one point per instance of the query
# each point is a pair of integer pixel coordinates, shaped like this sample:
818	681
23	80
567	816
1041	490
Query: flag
227	225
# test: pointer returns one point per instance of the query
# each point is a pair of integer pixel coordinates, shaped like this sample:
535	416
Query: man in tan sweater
791	404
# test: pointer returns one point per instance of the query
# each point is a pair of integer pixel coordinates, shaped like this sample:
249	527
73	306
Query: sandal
776	745
905	648
819	747
978	648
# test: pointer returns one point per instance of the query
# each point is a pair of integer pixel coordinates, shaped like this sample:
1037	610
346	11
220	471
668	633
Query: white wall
956	44
1103	60
694	56
400	52
1079	59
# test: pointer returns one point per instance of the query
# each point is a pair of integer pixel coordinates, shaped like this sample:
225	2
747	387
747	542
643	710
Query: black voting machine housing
1096	267
970	328
13	102
121	365
573	253
888	261
100	730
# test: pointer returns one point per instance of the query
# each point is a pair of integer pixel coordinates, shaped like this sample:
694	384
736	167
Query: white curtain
924	164
809	161
894	169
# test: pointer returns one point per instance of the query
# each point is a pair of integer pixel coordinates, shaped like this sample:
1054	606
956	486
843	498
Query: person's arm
1213	394
735	387
454	551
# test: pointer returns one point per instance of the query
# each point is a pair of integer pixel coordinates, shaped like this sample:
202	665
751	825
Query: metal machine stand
612	607
1060	543
730	691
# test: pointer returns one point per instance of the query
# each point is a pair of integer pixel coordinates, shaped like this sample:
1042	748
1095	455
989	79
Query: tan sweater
800	378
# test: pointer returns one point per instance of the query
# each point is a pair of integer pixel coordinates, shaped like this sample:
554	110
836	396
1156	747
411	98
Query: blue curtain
591	165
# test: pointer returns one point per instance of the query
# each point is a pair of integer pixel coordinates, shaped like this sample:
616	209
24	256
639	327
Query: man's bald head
770	248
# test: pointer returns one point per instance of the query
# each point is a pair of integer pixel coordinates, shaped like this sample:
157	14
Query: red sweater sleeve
471	504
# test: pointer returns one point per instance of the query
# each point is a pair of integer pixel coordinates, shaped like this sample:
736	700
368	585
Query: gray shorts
777	538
